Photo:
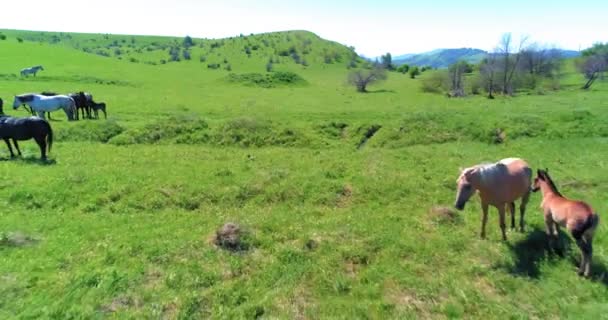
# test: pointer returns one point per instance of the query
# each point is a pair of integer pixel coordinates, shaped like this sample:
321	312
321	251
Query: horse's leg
512	211
503	225
588	253
522	210
549	230
484	219
10	149
17	147
41	141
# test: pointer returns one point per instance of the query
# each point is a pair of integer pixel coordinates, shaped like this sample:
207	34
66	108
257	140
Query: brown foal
576	216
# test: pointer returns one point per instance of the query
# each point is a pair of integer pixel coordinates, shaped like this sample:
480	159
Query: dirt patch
232	237
443	215
345	196
17	239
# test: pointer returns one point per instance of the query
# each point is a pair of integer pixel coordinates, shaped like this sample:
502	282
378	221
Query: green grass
118	225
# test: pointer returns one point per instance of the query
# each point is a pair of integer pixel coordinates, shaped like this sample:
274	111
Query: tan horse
576	216
499	185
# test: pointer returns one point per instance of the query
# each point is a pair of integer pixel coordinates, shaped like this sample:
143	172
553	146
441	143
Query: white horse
41	104
33	70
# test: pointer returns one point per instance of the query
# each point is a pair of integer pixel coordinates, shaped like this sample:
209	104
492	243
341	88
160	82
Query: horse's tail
588	228
49	136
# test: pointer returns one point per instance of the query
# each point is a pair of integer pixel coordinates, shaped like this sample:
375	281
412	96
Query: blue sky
372	27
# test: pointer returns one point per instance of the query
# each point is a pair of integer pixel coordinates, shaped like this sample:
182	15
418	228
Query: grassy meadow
339	224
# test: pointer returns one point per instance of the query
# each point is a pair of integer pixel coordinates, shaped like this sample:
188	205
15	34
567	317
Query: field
334	188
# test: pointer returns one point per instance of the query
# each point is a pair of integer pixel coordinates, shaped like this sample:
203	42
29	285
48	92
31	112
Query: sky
372	27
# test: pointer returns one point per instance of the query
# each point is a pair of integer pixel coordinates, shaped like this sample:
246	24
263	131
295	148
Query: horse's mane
548	179
26	97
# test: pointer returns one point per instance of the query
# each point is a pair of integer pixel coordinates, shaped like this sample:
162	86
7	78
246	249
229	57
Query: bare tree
488	70
363	77
594	63
510	60
456	76
592	68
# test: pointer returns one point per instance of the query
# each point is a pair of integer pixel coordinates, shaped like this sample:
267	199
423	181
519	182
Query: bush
175	129
19	40
2	37
186	55
414	72
213	66
435	83
268	80
98	131
202	58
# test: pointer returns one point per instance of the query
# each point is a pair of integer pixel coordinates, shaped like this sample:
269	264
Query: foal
577	216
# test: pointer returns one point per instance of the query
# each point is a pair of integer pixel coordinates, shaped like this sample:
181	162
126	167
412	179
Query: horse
41	104
499	184
99	106
84	101
576	216
33	70
25	129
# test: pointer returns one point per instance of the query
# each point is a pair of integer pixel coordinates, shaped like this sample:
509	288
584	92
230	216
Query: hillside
241	53
339	194
441	58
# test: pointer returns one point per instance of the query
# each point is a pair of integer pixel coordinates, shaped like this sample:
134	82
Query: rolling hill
441	58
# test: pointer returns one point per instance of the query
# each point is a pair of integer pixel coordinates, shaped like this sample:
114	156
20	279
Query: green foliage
413	72
268	80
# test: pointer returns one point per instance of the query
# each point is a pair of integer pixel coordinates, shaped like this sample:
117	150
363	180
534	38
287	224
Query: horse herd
501	184
37	128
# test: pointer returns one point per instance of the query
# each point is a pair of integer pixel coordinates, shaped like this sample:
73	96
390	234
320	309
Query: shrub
186	54
19	40
213	66
2	37
414	72
267	80
269	66
177	129
228	67
202	58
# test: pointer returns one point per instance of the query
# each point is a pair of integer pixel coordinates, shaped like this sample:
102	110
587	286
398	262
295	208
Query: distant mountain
570	53
441	58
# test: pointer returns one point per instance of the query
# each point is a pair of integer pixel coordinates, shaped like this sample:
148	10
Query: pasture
334	188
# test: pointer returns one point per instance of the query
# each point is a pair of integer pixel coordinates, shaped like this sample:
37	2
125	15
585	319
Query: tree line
511	67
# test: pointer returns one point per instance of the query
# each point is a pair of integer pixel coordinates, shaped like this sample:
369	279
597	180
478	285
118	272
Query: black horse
95	107
84	102
25	129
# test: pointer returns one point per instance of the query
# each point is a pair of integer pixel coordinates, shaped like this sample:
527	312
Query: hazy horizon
372	27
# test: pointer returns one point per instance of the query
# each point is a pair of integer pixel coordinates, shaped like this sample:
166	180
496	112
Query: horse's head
465	189
541	176
17	103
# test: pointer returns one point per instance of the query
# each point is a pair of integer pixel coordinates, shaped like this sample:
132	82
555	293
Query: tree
456	77
404	68
414	71
387	61
594	63
362	78
510	61
592	68
487	69
188	42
